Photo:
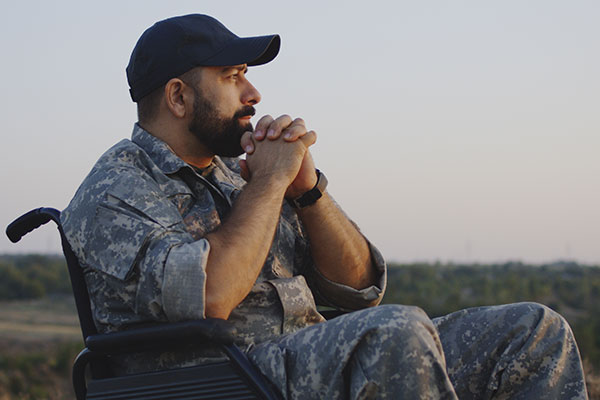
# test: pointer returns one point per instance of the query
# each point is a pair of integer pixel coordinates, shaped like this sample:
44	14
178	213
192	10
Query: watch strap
314	194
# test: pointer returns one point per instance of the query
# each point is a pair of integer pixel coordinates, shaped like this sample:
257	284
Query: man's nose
251	96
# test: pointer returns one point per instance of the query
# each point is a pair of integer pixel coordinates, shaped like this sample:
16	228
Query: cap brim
255	50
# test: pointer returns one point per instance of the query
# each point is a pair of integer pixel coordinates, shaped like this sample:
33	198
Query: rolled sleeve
347	298
184	282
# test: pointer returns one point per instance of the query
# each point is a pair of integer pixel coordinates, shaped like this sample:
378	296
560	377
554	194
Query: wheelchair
233	378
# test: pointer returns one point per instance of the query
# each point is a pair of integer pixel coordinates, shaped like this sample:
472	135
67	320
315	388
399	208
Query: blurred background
449	131
461	136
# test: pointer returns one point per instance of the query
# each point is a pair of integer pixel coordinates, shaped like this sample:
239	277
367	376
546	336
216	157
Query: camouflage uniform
515	351
137	225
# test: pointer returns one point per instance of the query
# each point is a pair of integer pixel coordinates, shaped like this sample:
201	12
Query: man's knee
401	353
538	316
398	328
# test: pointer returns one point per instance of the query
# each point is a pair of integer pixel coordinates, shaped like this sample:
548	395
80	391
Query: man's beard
220	135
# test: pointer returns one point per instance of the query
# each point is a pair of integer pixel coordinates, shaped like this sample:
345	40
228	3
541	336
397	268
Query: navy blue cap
173	46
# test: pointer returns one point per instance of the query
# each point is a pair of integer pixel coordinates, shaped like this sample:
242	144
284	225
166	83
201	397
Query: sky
451	131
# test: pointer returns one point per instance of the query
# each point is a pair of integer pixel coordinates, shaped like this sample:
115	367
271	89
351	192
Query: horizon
394	263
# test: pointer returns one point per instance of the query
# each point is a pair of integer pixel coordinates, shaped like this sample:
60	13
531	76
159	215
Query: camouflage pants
515	351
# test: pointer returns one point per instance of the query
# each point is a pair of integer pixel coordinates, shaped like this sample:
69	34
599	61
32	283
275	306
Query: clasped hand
284	155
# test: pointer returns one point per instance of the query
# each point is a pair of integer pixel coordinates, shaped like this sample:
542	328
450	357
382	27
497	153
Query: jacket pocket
118	241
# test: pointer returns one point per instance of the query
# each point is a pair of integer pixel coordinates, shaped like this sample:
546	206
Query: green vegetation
39	373
33	276
569	288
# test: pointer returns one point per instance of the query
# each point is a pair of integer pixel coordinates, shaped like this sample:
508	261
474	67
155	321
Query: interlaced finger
277	126
296	130
261	127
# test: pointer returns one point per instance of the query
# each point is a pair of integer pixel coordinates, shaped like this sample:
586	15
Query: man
166	230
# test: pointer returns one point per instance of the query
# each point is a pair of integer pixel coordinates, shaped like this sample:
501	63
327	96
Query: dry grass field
48	318
38	341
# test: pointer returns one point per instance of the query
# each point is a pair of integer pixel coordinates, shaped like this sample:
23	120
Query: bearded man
166	229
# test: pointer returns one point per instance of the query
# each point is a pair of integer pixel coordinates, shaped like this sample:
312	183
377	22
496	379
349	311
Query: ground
40	338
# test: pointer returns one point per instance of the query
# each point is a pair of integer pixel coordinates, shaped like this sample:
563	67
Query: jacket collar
160	152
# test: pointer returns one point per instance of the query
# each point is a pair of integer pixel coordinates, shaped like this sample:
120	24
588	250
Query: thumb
309	139
247	143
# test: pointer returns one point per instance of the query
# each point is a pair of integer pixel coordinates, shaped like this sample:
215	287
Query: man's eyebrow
242	68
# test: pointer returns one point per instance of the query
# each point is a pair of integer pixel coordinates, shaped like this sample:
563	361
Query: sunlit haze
463	131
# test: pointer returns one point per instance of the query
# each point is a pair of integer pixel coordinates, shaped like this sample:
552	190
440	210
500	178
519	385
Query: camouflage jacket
137	225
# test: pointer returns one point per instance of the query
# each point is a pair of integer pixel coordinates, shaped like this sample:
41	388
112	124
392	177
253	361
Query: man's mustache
244	111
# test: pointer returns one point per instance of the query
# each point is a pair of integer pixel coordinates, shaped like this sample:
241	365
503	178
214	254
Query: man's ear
178	97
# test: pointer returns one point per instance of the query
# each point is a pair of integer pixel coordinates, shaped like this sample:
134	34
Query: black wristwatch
314	194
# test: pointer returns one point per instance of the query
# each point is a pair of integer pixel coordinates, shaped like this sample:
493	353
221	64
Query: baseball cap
175	45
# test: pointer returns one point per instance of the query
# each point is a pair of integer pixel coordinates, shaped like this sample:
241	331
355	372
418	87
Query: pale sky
448	130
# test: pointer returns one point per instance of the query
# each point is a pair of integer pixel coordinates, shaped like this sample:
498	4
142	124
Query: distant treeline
32	276
569	288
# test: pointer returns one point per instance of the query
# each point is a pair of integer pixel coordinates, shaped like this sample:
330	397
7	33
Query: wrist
269	181
311	196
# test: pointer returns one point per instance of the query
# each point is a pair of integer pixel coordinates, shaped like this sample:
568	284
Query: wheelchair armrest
162	336
331	313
